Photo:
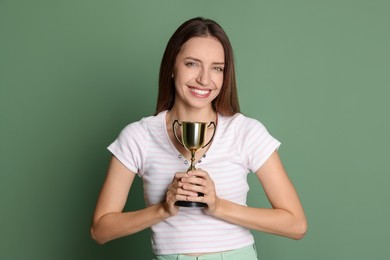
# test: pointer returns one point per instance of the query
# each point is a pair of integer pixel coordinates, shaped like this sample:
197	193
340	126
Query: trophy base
191	204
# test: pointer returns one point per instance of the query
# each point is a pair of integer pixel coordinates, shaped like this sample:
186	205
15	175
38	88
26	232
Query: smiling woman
198	73
197	83
226	102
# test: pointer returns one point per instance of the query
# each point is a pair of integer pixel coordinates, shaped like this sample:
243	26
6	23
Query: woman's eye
220	69
191	64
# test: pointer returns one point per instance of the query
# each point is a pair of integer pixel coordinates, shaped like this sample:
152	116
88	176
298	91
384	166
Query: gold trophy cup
193	135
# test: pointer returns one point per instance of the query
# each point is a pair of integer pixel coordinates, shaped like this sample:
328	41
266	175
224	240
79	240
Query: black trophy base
191	204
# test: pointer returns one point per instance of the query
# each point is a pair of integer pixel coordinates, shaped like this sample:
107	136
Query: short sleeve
254	143
130	146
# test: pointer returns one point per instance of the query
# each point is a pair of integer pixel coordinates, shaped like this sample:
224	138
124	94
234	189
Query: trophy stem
192	166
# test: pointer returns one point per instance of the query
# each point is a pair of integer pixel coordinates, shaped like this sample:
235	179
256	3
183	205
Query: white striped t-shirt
241	145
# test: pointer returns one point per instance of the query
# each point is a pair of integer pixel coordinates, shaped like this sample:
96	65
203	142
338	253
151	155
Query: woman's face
198	72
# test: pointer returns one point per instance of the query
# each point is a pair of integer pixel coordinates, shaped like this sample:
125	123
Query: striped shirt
240	145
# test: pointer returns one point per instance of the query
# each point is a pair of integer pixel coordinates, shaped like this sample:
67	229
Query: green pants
245	253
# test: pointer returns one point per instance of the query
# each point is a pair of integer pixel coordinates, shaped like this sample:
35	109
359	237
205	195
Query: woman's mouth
202	93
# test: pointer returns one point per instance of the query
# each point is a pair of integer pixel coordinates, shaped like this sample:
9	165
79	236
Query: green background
74	73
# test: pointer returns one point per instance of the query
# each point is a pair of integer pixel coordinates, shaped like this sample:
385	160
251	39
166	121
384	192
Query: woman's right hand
176	193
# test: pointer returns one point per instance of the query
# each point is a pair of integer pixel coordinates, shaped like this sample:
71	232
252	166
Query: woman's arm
285	218
109	222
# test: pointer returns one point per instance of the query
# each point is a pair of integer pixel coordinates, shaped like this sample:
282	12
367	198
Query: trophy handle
212	137
174	131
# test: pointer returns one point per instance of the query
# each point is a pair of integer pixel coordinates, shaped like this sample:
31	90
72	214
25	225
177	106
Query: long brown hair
226	103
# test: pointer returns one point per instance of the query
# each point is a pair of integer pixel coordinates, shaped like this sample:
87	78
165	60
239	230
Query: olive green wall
74	73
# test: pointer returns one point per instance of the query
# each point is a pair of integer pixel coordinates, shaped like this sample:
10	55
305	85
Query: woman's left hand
200	181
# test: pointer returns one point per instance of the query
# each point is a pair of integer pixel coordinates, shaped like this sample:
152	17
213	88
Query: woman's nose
204	77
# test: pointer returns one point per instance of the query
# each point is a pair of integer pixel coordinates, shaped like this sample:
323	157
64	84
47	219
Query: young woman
197	83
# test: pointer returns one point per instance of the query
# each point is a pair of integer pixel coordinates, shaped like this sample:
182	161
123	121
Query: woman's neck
194	115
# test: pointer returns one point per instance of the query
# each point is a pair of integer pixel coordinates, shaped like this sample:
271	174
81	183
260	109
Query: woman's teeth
200	91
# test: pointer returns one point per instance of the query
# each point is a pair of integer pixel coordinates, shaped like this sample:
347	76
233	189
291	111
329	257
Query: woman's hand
199	181
176	192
